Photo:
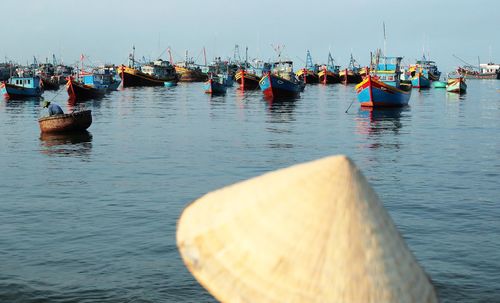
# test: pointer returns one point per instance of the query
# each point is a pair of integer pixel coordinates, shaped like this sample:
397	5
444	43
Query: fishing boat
188	71
428	68
281	81
326	76
329	73
62	72
79	91
485	71
246	76
308	74
439	84
103	76
247	79
46	71
215	86
456	85
418	80
73	122
383	87
151	74
21	87
351	73
50	82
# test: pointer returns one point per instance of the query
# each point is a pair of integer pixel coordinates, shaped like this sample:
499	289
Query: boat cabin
158	68
28	82
489	68
388	70
283	69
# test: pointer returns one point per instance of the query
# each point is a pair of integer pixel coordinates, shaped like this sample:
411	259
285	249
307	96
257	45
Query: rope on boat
350	105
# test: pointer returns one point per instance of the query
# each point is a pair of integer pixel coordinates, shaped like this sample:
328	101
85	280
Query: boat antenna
246	57
170	56
385	40
81	61
204	56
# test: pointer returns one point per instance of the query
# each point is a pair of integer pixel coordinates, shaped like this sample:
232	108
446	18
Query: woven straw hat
314	232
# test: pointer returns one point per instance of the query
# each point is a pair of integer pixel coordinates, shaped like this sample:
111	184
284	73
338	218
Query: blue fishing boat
430	68
104	76
21	87
382	87
419	80
79	91
214	86
277	87
281	82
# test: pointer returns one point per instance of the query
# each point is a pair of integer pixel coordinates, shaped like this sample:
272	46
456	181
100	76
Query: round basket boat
74	122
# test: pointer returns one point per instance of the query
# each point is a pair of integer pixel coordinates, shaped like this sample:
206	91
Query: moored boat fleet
384	82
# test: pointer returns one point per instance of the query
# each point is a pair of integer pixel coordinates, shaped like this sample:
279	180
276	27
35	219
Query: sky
105	30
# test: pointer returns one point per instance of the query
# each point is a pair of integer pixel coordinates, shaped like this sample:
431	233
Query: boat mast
385	40
246	57
309	63
131	58
170	56
204	56
81	62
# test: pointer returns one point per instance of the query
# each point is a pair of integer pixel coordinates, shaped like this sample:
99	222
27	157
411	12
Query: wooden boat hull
50	84
456	86
74	122
246	80
132	77
307	76
214	88
349	76
79	92
190	75
328	77
277	87
375	93
11	91
420	81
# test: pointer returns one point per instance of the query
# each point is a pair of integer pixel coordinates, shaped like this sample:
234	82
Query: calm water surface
92	218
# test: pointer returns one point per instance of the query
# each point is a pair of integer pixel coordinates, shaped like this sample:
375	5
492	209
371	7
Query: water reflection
280	122
280	110
66	145
455	97
377	123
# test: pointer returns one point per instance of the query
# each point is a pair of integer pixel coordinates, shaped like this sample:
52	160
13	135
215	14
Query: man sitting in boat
53	108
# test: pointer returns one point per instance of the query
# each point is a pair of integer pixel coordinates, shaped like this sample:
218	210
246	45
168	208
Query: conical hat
314	232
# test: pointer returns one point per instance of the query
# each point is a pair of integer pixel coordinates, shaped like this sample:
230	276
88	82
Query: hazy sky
105	30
